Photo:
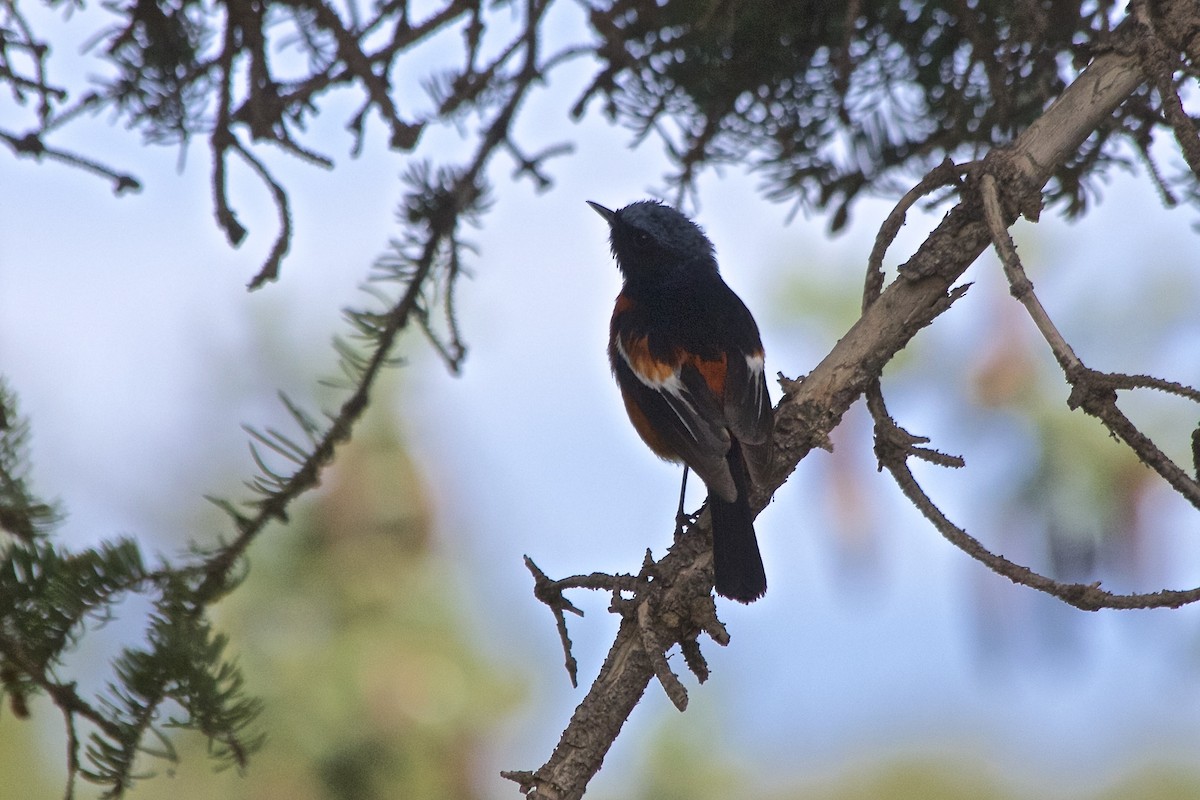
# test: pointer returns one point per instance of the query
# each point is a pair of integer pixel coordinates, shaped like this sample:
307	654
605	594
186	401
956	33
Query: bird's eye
641	239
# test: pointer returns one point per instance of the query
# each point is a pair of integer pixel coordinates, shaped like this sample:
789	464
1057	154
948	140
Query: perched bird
689	362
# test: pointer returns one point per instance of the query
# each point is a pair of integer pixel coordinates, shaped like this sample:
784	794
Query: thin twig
222	138
1088	597
1019	284
62	694
656	652
274	506
942	175
1121	381
283	240
552	597
1092	392
72	753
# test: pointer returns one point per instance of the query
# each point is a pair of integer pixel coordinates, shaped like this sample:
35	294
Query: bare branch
1092	391
32	145
943	174
1088	597
283	240
1019	283
1095	394
551	593
1162	62
658	658
812	408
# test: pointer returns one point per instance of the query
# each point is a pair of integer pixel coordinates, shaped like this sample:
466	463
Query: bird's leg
682	518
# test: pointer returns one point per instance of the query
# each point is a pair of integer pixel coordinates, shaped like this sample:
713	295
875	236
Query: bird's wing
674	405
748	409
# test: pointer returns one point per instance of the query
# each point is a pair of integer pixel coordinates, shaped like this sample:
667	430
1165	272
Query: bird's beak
608	214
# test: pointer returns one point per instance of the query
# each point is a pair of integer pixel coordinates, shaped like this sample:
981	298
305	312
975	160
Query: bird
688	360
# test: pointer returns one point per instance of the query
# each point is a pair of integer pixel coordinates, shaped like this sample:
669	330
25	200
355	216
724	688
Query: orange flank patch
654	371
713	372
648	368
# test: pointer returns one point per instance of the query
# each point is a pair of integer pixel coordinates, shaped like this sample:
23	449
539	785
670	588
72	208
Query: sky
115	313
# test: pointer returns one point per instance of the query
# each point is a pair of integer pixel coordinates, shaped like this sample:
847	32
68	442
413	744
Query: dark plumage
688	359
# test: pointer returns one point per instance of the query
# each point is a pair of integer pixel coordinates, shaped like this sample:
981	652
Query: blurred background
391	628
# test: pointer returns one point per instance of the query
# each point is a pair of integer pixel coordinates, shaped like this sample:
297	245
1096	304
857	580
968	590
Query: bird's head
654	243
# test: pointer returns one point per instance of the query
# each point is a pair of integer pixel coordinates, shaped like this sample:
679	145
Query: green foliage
47	596
183	662
829	100
182	677
826	100
353	632
21	513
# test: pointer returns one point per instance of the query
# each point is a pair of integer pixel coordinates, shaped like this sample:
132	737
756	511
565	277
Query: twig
551	595
894	446
1121	381
72	753
1019	284
32	145
1094	393
1162	62
655	651
942	175
690	648
403	135
62	694
1088	597
893	442
222	138
275	505
283	240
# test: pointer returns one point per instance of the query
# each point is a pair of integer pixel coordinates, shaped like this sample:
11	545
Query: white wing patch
755	366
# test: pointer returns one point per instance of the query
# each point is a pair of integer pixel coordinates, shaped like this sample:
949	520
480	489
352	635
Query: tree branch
813	406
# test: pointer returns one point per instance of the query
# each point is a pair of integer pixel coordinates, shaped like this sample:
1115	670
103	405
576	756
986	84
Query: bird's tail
737	564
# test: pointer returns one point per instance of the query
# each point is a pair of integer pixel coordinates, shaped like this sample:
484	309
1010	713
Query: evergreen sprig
47	598
22	514
181	676
185	664
47	594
